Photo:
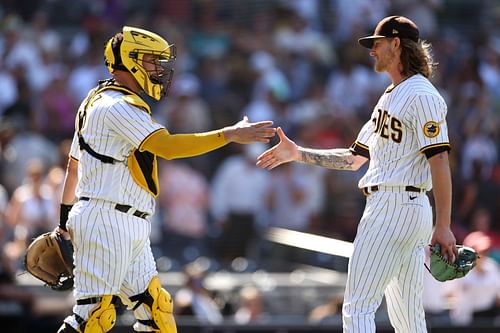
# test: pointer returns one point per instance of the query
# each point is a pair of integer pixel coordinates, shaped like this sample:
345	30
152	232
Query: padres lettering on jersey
388	127
407	126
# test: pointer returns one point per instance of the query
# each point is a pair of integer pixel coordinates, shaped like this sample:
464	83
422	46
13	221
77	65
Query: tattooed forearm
339	159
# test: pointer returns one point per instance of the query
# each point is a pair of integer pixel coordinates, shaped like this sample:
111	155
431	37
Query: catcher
110	188
111	184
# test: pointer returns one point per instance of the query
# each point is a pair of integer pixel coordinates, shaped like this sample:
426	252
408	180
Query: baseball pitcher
406	143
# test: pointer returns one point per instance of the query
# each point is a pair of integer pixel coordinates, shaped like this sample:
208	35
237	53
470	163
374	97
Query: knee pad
102	317
159	304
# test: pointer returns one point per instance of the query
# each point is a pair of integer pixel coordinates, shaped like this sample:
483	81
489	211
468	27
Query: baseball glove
49	258
442	270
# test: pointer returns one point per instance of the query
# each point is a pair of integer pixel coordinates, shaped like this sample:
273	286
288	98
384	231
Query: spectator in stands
268	77
4	200
478	191
15	302
58	109
271	94
194	299
21	55
346	102
296	197
237	202
19	145
184	111
9	88
301	49
329	310
31	210
479	147
183	202
477	295
251	306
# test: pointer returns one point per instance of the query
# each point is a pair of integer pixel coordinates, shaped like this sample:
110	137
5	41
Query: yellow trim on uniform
361	145
143	167
137	101
391	87
170	146
360	149
434	146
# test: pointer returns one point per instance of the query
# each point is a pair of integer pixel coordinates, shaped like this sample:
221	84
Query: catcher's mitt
442	270
49	258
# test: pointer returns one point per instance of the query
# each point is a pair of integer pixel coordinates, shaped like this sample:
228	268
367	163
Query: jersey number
387	126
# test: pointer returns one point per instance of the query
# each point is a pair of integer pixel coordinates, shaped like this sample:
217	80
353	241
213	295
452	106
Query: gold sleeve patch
431	129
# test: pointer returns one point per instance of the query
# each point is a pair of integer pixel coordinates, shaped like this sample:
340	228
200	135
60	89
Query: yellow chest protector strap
142	164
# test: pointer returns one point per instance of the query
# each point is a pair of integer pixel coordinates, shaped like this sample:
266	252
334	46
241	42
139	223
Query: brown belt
123	209
370	189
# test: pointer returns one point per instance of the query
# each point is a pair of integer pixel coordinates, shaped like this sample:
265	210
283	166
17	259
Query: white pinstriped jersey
113	128
408	121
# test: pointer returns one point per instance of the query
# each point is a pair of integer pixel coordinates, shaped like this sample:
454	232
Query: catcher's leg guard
102	317
159	304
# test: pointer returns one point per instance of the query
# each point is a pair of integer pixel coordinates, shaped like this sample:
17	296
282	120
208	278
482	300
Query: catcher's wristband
63	216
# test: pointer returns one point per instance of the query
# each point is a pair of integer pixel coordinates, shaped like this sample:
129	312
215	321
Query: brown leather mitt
49	258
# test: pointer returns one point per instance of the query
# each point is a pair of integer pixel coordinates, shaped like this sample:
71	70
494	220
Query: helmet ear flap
113	59
109	56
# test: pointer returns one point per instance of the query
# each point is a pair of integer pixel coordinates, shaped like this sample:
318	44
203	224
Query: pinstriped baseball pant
388	258
112	256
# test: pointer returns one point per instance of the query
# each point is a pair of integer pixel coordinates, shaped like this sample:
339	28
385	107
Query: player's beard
383	61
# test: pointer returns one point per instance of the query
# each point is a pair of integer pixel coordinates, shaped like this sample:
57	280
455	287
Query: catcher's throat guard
49	258
442	270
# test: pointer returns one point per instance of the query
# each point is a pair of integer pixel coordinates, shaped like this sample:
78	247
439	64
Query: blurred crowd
295	62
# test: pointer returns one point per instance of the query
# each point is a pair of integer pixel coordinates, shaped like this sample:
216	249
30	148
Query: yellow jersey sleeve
171	146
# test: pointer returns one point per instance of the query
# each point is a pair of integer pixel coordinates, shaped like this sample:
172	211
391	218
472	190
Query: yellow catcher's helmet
129	56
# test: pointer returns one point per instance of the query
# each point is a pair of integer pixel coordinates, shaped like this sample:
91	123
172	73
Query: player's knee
102	317
159	305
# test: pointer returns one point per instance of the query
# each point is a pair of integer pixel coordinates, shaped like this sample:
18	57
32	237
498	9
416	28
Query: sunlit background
243	249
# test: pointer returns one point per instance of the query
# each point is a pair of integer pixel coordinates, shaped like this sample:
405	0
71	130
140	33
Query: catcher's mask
133	49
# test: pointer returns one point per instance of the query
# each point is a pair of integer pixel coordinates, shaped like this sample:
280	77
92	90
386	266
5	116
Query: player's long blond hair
416	58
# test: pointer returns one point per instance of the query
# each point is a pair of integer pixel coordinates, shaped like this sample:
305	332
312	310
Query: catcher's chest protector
142	164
